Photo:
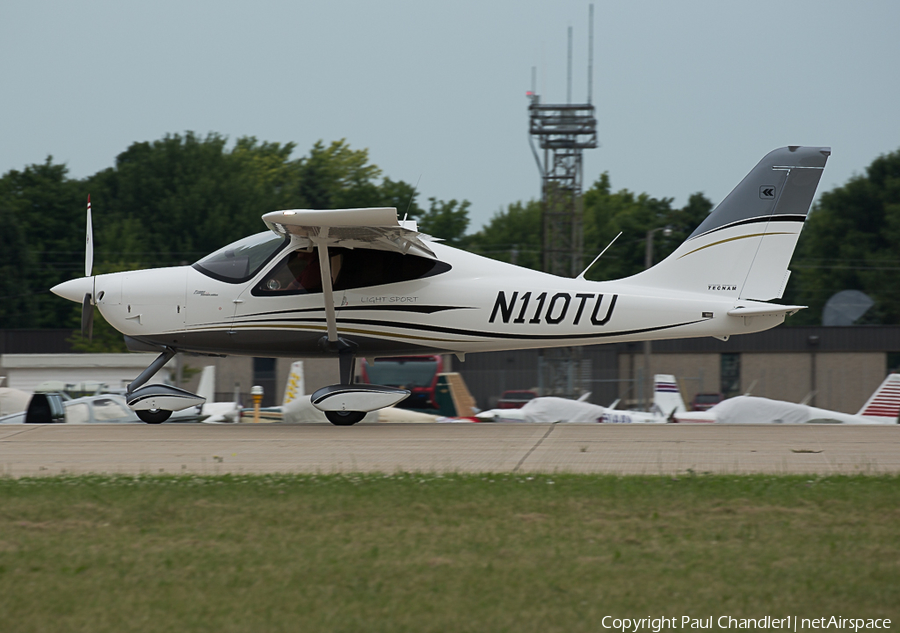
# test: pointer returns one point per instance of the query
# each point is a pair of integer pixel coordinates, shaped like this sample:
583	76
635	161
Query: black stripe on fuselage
399	307
496	335
763	218
381	308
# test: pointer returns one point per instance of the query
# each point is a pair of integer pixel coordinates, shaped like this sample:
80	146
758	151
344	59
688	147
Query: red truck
515	399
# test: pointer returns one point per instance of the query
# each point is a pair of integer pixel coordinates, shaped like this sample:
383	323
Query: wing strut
327	291
332	342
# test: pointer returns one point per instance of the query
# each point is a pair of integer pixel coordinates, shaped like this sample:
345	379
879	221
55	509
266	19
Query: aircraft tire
153	416
344	418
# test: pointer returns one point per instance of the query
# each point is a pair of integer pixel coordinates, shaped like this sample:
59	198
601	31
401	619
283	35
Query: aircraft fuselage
460	310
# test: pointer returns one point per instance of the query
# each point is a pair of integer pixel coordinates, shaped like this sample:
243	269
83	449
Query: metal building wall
489	374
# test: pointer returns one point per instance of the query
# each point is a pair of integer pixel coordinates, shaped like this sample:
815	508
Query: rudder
666	395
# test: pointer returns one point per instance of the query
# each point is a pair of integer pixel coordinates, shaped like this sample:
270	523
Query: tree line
173	200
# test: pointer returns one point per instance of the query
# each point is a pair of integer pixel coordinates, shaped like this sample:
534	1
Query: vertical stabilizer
884	405
743	247
207	387
296	384
666	395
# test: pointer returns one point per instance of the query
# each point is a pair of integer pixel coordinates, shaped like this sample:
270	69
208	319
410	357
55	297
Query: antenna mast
590	52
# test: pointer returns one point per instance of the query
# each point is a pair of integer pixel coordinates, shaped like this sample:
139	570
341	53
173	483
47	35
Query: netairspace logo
766	623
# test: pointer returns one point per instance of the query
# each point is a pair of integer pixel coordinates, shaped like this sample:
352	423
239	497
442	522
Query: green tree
513	235
42	214
850	242
337	177
400	195
446	220
173	200
17	308
607	213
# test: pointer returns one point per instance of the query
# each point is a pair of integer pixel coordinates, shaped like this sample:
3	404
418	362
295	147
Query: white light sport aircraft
358	282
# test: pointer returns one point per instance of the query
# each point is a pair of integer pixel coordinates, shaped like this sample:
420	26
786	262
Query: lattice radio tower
562	132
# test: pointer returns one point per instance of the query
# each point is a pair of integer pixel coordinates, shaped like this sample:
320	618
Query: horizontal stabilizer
771	309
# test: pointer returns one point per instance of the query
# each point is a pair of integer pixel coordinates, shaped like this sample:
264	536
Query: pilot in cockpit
298	273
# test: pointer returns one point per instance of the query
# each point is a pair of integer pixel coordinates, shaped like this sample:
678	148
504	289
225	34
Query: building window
730	374
893	362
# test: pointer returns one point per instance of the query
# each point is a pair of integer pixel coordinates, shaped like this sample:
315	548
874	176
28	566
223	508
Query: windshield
402	373
241	260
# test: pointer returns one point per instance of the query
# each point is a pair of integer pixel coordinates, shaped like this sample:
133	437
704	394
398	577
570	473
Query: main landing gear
347	403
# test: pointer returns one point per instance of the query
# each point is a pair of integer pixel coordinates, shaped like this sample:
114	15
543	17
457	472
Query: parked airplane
667	402
58	407
358	282
106	408
12	400
212	411
883	407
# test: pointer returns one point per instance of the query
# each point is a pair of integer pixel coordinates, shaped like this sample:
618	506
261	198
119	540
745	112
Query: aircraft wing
376	228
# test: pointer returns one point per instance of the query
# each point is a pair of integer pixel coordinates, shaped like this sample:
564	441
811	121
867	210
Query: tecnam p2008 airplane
358	282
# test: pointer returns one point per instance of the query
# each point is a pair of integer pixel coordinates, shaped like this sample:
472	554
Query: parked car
515	399
704	401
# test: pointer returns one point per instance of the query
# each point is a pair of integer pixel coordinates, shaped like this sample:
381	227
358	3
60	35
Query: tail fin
296	384
884	405
666	395
743	247
207	386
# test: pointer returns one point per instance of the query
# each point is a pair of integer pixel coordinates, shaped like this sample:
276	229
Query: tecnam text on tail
358	282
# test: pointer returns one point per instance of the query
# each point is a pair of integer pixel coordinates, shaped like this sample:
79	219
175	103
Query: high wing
376	228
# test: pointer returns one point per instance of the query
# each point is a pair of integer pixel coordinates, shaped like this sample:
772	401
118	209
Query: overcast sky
689	95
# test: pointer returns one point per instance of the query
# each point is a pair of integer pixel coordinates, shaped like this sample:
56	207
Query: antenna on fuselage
584	272
411	197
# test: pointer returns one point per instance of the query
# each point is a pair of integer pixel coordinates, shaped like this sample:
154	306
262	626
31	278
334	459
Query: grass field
424	552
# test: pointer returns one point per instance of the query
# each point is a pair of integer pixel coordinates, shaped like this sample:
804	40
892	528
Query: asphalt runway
316	448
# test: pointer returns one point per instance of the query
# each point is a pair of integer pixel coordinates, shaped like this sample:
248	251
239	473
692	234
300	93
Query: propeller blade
89	242
87	317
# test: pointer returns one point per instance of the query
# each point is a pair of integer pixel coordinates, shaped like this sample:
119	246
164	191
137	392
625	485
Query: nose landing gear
154	403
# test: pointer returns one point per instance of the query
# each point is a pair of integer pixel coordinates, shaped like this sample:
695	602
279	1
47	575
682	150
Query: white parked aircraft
358	282
883	407
54	407
667	402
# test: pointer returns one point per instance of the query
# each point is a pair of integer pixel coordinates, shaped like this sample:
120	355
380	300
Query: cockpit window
241	260
299	272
